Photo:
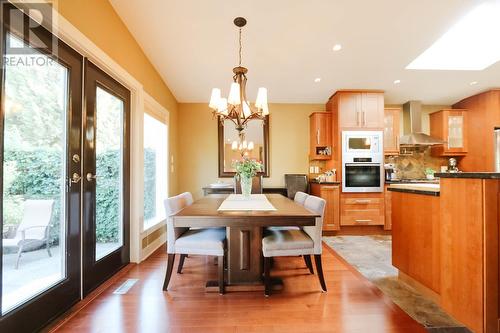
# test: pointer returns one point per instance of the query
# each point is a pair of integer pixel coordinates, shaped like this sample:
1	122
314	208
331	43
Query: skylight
471	44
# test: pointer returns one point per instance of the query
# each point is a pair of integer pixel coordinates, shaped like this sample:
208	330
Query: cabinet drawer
362	201
369	218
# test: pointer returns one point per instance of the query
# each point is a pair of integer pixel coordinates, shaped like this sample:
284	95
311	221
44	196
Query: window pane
109	171
155	170
34	164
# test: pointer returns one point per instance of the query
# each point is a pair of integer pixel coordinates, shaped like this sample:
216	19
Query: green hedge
37	175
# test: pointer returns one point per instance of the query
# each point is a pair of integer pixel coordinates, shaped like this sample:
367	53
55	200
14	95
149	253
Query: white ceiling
288	43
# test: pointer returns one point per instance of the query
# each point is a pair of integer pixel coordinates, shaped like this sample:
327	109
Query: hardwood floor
352	303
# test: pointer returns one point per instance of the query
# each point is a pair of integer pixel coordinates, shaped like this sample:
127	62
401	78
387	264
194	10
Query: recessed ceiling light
473	83
468	45
318	79
397	81
337	47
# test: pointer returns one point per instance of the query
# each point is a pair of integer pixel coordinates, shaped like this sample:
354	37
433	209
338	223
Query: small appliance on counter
452	165
390	171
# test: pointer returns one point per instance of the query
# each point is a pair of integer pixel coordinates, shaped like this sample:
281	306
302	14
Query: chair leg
307	259
170	268
48	247
267	278
181	263
19	251
319	269
221	274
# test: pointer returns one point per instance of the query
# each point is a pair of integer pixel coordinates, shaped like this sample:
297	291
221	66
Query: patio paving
36	273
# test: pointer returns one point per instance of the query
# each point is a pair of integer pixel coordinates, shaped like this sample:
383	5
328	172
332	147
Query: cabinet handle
330	187
317	136
364	118
362	201
448	141
361	221
358	122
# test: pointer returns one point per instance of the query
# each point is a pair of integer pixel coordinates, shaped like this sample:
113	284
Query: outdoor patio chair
34	229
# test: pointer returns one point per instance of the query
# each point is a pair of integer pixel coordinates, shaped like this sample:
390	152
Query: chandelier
236	107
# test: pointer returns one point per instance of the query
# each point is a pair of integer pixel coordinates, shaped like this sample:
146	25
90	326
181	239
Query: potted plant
429	173
246	169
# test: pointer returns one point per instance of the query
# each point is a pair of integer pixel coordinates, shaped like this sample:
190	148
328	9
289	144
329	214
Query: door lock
91	177
75	178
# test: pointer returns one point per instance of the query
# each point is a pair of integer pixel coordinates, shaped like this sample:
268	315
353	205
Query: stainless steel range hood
412	126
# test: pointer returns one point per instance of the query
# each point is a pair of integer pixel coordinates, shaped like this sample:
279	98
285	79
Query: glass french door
40	185
106	177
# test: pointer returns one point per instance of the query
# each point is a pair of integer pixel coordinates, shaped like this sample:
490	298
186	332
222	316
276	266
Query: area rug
371	256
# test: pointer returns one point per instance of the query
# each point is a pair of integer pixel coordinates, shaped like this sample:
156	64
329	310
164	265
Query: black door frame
94	273
38	311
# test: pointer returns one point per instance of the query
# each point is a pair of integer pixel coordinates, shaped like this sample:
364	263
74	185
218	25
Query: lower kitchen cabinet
331	194
387	208
362	209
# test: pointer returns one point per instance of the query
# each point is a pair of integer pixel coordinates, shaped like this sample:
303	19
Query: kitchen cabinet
320	135
363	110
416	237
449	125
391	131
387	208
362	209
331	194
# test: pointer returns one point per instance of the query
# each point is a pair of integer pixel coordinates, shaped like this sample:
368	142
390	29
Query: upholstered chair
185	241
300	198
305	242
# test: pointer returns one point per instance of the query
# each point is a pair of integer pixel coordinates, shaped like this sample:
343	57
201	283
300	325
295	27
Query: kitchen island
446	243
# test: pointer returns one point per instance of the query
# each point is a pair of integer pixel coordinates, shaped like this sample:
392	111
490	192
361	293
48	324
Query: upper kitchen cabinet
320	133
360	109
449	125
391	131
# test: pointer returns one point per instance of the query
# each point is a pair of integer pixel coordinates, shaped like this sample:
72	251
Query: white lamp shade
250	145
244	145
265	110
214	99
222	107
261	100
246	110
234	146
234	94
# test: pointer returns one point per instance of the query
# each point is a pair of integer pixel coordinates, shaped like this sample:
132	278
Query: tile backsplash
413	166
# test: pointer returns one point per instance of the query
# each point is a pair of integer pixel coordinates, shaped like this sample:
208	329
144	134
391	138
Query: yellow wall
288	136
97	20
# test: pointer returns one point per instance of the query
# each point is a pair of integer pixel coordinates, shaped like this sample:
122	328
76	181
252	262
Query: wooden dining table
244	231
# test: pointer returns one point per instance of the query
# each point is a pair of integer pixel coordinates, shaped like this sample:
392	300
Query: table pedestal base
213	286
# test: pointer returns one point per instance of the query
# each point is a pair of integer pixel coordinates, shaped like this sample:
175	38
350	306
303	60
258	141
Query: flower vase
246	186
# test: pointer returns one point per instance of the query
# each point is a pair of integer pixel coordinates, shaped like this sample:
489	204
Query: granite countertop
426	189
478	175
314	181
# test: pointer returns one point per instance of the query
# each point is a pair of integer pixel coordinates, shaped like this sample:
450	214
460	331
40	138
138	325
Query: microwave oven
362	161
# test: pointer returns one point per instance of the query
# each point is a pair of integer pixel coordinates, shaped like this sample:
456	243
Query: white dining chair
300	198
185	241
305	242
34	229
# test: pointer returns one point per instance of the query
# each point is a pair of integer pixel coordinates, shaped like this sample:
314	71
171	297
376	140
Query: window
155	170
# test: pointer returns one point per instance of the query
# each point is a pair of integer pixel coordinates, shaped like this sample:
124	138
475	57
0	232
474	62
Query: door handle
363	201
91	177
75	178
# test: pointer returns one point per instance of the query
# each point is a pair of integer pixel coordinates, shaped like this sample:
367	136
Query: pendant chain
240	48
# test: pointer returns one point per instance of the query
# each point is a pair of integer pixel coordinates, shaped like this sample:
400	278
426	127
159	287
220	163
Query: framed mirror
257	131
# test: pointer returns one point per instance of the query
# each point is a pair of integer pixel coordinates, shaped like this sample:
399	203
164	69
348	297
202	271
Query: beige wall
288	136
98	21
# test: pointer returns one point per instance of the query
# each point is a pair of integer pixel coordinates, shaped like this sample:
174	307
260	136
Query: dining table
244	232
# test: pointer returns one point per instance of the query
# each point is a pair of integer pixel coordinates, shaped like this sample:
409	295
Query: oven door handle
363	164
